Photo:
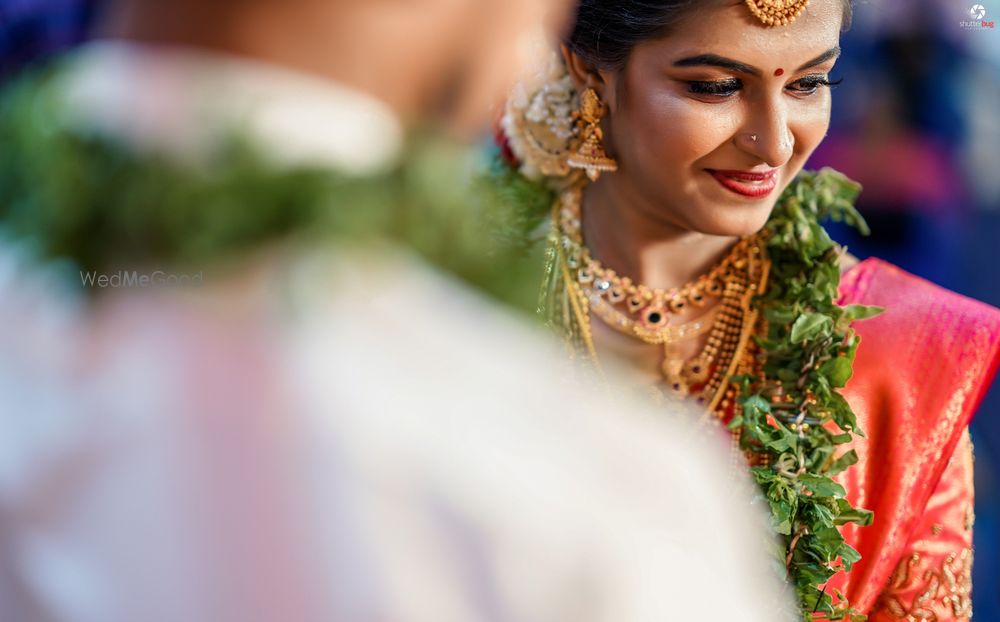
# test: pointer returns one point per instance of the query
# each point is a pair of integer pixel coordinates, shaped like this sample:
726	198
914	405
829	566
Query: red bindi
779	72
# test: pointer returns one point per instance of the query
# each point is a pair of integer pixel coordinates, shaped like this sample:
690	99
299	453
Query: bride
671	137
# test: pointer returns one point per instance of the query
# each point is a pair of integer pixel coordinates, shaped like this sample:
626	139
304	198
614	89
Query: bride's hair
605	32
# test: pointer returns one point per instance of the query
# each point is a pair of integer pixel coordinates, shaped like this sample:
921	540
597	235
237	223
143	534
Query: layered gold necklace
652	315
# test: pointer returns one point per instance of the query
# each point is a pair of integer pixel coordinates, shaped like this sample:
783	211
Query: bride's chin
733	224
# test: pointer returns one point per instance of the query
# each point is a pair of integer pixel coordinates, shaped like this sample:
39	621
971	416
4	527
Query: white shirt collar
183	100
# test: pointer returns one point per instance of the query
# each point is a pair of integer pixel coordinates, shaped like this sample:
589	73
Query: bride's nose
767	135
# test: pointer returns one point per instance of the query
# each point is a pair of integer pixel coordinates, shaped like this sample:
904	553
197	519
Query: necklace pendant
697	370
673	372
654	317
672	368
678	388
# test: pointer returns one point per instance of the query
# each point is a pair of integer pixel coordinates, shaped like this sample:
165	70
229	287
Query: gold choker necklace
646	313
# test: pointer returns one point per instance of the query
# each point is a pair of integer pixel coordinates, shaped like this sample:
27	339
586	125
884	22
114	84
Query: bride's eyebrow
714	60
832	53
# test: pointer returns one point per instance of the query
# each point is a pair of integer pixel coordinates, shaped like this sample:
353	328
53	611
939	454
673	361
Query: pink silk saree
921	371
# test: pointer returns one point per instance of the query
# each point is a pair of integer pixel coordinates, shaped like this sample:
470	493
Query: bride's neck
630	237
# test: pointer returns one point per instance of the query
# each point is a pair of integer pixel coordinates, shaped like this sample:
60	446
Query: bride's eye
717	88
810	84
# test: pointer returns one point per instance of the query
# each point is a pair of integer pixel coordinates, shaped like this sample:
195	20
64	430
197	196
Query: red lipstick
747	183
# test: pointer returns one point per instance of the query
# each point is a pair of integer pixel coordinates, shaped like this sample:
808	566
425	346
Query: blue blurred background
916	121
31	30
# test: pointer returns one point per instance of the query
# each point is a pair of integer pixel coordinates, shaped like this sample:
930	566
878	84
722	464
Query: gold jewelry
777	12
648	308
590	155
667	334
644	313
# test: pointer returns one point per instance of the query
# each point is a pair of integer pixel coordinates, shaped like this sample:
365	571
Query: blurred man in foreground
256	402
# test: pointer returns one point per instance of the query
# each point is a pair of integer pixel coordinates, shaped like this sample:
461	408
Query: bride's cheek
708	128
810	125
677	129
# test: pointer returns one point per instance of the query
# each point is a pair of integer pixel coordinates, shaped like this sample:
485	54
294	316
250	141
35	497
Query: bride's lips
747	183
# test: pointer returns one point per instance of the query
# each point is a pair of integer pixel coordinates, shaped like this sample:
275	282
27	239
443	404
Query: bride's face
710	122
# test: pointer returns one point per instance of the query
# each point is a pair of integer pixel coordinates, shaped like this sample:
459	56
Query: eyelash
729	87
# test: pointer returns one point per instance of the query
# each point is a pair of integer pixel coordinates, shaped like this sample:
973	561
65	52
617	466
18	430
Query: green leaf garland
87	200
794	415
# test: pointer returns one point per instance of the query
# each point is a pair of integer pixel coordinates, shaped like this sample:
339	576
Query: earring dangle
590	155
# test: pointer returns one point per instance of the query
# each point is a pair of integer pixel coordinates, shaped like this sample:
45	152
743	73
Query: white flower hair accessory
539	123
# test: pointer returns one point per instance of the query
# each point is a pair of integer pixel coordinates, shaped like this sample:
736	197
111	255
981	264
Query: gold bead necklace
645	313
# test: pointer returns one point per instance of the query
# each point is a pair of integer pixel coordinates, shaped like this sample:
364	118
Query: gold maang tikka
777	12
590	155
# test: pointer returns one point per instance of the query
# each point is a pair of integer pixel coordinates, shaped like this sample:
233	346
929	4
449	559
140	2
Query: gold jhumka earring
590	155
777	12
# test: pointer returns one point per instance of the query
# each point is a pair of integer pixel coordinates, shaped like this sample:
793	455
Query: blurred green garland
80	197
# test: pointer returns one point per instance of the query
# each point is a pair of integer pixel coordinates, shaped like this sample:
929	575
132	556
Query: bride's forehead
730	29
735	18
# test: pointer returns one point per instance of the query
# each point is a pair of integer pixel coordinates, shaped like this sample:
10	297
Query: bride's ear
584	74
